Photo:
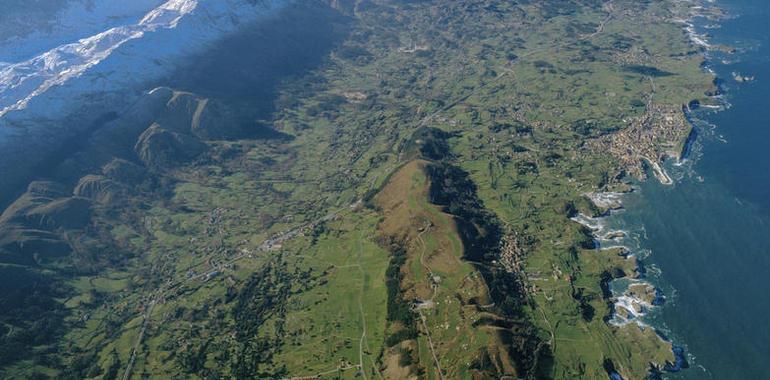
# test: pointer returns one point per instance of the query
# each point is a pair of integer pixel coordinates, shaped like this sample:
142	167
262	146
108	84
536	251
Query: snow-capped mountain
172	29
55	94
75	19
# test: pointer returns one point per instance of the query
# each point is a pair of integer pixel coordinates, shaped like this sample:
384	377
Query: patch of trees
318	230
551	159
647	71
115	366
399	309
354	53
499	127
262	297
576	28
326	104
193	359
586	310
526	167
554	8
429	143
622	43
637	103
31	316
587	52
481	234
544	66
86	365
604	283
452	188
591	128
520	128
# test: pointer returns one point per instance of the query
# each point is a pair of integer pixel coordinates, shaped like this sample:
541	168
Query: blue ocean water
708	236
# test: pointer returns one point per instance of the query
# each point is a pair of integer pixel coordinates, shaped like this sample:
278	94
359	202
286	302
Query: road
156	296
361	309
292	232
435	290
145	321
609	7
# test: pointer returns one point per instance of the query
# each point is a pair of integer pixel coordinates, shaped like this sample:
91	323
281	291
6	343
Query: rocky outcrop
24	246
204	118
100	189
160	148
215	121
67	213
30	227
123	171
38	193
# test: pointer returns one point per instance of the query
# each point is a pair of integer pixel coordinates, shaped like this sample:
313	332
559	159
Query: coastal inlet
633	294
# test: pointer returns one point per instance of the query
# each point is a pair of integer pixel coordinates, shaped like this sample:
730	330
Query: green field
400	207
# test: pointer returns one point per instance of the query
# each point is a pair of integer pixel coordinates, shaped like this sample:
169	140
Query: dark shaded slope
54	217
240	73
245	69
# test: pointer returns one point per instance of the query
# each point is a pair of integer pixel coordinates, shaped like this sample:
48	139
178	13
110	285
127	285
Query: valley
376	189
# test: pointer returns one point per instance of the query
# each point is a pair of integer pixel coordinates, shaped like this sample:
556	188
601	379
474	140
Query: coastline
587	284
636	297
629	306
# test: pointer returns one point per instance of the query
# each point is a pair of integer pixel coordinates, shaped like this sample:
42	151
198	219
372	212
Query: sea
705	240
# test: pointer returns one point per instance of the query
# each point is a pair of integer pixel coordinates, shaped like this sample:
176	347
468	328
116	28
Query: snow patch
23	81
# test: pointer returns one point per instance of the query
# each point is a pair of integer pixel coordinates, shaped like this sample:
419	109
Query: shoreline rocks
738	77
635	297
